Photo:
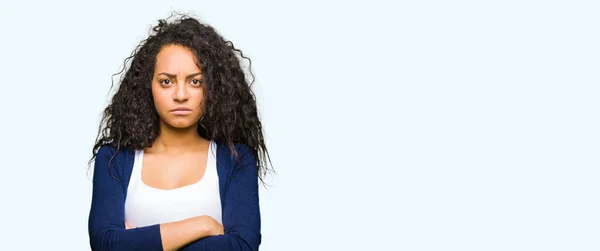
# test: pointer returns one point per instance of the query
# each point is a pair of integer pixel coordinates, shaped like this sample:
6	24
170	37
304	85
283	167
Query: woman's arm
241	213
106	224
175	235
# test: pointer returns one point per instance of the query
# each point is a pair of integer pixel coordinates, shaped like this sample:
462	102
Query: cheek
198	98
161	99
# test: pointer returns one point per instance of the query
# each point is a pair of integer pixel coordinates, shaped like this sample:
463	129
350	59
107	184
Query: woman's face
177	87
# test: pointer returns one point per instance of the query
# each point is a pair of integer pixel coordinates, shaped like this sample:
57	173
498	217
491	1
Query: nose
181	93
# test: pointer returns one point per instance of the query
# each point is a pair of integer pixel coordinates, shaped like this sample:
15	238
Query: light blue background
415	125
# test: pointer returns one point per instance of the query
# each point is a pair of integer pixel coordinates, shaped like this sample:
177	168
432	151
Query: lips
181	111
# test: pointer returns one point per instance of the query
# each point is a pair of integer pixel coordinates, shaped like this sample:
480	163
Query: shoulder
111	152
118	159
105	151
228	161
113	164
242	150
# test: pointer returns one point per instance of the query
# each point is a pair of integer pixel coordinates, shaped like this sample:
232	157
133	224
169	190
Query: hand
212	226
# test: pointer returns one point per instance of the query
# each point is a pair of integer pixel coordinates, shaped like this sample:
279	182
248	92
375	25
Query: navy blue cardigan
238	187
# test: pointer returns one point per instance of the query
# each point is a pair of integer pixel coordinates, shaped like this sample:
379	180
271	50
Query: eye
196	82
165	82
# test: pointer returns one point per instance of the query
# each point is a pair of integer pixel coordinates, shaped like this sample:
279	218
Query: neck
172	139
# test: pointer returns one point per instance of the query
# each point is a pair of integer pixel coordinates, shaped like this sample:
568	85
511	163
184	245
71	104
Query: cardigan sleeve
106	224
241	213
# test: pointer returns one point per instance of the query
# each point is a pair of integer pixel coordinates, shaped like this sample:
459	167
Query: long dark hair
130	121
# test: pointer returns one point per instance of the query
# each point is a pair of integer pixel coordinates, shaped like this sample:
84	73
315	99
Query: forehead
176	58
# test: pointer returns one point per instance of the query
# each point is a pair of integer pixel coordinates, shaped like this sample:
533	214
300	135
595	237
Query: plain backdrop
398	125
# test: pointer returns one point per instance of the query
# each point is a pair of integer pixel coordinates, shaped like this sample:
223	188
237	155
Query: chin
180	123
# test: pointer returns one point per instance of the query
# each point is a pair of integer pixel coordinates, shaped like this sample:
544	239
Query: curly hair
130	121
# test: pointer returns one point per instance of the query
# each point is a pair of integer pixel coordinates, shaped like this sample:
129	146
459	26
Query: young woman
180	150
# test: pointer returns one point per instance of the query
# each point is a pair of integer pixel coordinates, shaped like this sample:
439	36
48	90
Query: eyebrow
173	75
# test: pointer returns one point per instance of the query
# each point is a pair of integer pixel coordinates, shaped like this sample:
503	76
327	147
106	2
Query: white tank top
146	205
